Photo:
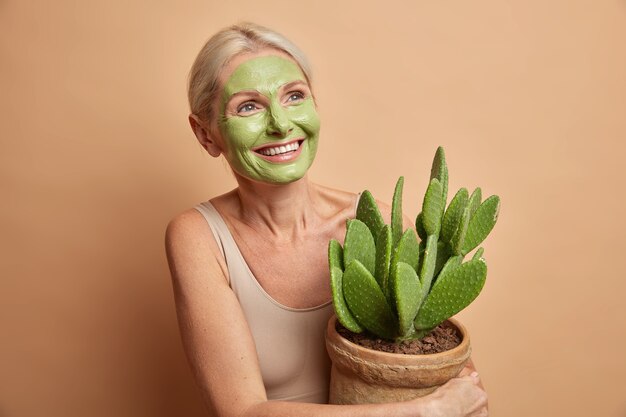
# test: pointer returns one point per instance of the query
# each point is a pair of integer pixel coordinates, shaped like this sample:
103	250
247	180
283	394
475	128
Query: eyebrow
293	84
287	86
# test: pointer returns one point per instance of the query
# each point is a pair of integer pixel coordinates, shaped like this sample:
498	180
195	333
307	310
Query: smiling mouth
284	149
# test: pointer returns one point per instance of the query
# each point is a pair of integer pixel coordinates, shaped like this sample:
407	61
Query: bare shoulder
183	221
189	243
186	228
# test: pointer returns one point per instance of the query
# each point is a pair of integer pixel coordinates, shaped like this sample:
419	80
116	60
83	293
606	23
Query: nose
278	123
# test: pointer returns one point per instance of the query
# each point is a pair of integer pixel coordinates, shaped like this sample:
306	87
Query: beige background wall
528	98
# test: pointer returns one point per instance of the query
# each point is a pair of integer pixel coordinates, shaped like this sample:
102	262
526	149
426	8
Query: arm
210	319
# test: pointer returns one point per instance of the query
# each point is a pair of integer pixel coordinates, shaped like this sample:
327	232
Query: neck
285	210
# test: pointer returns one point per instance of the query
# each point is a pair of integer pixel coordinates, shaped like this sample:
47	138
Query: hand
460	397
469	368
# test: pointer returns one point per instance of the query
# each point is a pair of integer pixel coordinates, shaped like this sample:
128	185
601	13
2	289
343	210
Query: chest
294	274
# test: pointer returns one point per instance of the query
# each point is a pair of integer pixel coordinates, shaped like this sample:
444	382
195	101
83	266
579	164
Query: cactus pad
443	254
335	255
339	303
383	258
429	263
367	211
439	170
459	235
474	200
452	217
367	302
453	262
432	208
452	292
481	223
406	289
359	244
396	212
408	250
419	226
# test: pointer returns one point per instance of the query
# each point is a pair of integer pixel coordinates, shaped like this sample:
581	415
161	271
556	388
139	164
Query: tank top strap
223	237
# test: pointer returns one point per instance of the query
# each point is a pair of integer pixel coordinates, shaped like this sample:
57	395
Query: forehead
261	73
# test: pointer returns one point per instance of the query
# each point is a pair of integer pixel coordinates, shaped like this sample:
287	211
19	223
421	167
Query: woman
249	267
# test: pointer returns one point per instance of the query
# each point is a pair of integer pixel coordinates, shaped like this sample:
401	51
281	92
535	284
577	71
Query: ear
206	139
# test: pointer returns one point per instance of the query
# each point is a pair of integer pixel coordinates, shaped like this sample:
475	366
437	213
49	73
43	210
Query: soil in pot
443	337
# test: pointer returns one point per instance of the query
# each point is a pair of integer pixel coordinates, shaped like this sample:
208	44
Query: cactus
387	282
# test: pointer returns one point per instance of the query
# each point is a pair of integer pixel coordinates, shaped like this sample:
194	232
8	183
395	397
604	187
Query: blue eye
246	107
295	96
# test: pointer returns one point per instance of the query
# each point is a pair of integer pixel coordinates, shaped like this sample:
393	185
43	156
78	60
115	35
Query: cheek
243	132
307	118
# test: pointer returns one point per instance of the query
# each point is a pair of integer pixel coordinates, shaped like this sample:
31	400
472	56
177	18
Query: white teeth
280	149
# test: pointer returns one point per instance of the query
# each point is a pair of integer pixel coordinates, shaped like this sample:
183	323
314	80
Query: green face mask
268	121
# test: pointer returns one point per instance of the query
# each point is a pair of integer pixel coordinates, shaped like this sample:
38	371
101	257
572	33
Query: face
267	120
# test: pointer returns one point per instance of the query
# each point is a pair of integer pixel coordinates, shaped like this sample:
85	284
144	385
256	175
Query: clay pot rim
459	350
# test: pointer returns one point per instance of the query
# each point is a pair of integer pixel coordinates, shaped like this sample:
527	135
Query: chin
283	180
284	176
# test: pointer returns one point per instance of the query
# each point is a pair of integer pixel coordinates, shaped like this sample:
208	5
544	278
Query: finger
475	377
469	368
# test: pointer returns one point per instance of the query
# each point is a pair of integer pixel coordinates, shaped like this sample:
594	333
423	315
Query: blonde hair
221	48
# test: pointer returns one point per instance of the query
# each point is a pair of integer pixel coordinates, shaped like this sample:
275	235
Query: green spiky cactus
387	282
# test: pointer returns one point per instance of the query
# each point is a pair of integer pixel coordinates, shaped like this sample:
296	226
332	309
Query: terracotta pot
360	375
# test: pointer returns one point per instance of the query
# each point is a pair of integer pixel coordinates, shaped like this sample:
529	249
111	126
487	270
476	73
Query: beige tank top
289	342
